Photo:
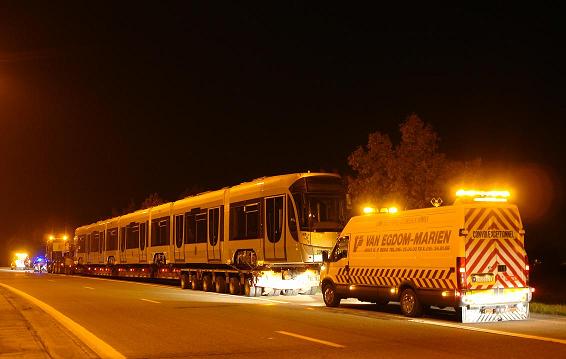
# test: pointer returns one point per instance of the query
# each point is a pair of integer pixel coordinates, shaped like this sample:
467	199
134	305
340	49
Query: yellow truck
469	256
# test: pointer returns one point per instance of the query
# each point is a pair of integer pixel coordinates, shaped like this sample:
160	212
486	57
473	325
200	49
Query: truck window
341	249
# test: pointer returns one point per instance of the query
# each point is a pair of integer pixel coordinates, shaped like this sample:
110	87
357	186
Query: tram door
87	250
123	245
274	237
143	242
179	236
101	246
214	234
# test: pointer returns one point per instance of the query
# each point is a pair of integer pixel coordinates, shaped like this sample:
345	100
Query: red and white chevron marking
484	255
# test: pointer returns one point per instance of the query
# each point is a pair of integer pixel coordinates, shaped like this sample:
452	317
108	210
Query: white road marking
100	347
311	339
149	300
85	287
489	331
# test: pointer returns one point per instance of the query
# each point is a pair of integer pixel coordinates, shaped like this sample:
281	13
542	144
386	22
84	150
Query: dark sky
102	103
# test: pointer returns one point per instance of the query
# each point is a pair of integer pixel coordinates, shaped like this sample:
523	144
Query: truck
469	256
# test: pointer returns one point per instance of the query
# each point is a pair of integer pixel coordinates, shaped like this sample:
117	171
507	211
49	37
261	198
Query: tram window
190	228
112	243
274	218
201	228
179	224
132	235
87	247
143	235
252	220
213	222
94	242
81	244
160	231
244	221
292	219
101	236
122	238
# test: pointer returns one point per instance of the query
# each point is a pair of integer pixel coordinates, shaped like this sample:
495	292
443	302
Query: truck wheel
207	283
234	286
331	298
220	284
410	305
185	283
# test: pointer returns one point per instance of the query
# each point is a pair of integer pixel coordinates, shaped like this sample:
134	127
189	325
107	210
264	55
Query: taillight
461	272
527	270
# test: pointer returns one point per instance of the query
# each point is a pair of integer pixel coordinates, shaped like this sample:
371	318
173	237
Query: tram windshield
321	203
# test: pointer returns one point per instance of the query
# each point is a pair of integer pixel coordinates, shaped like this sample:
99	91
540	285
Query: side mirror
324	256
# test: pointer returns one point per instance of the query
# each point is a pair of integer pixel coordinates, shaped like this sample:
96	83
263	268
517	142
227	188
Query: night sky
104	103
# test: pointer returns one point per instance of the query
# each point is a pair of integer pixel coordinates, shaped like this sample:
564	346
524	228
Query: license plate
482	278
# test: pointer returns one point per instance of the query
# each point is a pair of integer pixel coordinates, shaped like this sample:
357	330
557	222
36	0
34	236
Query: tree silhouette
152	200
409	174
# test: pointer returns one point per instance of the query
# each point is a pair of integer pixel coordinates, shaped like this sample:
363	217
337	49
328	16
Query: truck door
340	264
274	237
214	224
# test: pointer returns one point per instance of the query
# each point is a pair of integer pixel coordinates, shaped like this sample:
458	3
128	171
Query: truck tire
220	284
410	304
185	283
235	287
331	298
207	283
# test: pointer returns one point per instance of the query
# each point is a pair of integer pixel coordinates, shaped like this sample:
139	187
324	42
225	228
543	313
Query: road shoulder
31	333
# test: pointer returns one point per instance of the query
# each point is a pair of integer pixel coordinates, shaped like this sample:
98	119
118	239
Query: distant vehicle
263	237
40	264
469	256
19	261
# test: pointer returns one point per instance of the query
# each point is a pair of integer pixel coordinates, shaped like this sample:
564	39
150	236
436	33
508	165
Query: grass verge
554	309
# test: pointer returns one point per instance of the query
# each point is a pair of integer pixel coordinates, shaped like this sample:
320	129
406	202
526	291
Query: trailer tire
410	304
249	288
220	284
207	283
331	298
234	286
195	283
185	282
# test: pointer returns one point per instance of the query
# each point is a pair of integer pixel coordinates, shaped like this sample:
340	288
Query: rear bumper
492	305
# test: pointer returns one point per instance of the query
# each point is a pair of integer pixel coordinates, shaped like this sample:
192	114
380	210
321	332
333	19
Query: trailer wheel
331	298
220	284
249	288
234	286
410	304
185	283
207	283
195	283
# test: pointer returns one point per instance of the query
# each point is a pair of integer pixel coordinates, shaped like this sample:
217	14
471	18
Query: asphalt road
149	320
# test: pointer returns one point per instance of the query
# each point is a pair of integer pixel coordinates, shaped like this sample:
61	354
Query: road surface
152	320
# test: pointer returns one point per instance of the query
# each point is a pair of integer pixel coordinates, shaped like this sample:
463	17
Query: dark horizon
106	103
